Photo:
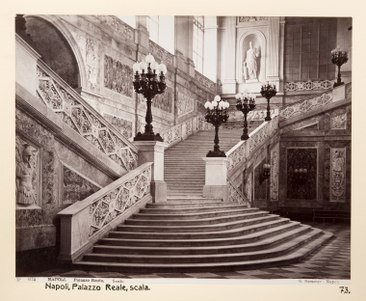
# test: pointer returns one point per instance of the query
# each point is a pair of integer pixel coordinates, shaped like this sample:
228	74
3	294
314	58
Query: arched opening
50	43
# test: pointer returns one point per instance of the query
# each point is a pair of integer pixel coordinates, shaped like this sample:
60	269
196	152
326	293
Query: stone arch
259	40
61	52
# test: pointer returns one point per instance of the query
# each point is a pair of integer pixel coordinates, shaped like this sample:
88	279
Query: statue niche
251	61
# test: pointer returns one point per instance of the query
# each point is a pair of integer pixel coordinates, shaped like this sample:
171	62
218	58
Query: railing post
216	178
153	151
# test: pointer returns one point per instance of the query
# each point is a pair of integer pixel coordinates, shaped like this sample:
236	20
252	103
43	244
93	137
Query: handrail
236	196
304	106
83	118
108	203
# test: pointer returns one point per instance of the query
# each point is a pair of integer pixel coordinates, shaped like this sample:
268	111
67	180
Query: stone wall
315	161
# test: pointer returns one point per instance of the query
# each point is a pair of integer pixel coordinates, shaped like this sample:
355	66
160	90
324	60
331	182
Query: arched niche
52	40
258	42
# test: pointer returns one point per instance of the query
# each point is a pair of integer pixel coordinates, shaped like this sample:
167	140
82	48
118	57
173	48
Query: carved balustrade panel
305	106
309	85
236	196
87	123
112	204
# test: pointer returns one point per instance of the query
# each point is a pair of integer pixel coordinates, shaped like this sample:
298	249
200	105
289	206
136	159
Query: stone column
216	178
273	60
227	54
184	44
153	151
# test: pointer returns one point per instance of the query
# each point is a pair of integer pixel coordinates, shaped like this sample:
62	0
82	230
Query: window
161	31
198	33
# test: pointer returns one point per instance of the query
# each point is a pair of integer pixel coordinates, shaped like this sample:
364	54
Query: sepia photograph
182	150
202	147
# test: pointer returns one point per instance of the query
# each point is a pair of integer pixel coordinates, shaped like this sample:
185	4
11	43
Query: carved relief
124	126
27	173
337	174
91	58
248	187
185	104
338	122
274	173
118	77
243	19
75	187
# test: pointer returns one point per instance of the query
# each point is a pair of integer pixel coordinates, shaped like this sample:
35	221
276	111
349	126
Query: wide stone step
247	234
193	222
199	210
188	216
263	240
296	256
197	228
282	249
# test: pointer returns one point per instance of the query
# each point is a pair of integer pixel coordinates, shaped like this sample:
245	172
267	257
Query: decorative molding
337	183
309	85
245	19
124	126
117	76
75	187
275	170
339	122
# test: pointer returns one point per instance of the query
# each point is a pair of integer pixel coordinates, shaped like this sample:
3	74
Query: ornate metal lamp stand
216	115
245	103
268	91
339	57
149	81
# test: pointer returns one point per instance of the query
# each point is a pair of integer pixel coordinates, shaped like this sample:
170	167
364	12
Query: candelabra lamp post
216	114
245	103
339	57
268	91
149	80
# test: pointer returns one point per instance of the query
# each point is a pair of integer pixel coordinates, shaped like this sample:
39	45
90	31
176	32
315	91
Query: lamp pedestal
216	178
153	151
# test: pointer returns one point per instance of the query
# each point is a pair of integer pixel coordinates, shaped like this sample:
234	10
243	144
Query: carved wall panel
118	26
337	185
124	126
274	182
339	122
91	60
27	173
185	104
302	173
249	187
75	187
162	101
117	76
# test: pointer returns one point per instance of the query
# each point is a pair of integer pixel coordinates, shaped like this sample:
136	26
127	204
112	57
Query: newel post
153	151
216	178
